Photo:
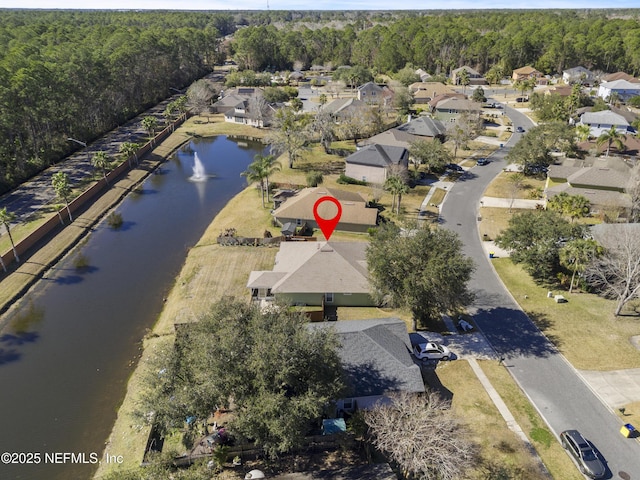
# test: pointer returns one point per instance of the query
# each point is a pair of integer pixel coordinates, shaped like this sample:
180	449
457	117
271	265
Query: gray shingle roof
379	156
376	356
424	127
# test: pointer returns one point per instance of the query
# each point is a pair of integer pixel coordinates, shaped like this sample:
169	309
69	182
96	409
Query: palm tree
150	124
611	136
61	185
583	132
6	217
577	253
397	187
102	161
128	150
262	167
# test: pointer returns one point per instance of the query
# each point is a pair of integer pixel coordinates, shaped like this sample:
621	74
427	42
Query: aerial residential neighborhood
319	244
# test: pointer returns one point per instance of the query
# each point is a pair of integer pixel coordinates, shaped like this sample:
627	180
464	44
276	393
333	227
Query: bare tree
633	189
616	274
199	97
422	436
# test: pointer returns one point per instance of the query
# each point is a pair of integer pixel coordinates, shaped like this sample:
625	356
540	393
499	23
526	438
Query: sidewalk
519	203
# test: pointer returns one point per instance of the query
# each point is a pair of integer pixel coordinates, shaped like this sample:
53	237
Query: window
298	222
328	297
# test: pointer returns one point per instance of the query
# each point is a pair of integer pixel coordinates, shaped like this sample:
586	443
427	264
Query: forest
80	74
71	73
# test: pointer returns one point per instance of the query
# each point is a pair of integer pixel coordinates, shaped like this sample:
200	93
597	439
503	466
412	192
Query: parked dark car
454	166
583	453
520	130
482	161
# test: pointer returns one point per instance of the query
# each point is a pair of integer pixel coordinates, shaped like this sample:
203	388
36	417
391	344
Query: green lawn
584	328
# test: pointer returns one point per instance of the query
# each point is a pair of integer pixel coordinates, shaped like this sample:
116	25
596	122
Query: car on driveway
482	161
431	351
583	453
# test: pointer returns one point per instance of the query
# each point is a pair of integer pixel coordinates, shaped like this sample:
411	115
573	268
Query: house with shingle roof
578	74
475	78
234	97
424	92
622	88
611	77
601	180
525	73
449	109
420	128
374	163
372	93
345	107
356	215
377	361
602	121
316	273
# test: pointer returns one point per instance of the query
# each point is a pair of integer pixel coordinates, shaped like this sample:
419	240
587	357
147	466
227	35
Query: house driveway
615	387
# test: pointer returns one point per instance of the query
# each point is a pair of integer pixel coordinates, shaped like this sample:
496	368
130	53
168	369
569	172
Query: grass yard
494	221
501	186
503	454
584	328
550	451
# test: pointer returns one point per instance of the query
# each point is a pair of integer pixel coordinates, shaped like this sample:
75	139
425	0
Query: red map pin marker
327	225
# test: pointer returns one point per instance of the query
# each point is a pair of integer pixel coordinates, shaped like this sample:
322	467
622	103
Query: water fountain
199	173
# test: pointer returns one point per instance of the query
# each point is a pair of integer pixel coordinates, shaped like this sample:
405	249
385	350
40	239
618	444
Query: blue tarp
333	425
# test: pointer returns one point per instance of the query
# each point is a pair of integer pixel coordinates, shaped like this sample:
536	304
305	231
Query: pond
75	338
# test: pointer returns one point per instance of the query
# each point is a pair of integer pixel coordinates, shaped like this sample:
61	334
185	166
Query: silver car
431	351
583	453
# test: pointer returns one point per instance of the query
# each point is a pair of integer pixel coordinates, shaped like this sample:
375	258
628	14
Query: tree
633	190
402	99
279	373
398	187
463	79
478	95
128	150
462	130
324	127
406	76
6	218
572	206
424	271
431	153
534	239
150	124
296	104
102	161
576	254
322	99
422	436
616	273
62	187
199	96
534	148
583	132
288	134
262	167
516	180
611	137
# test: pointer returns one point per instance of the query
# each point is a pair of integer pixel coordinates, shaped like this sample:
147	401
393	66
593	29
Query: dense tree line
441	41
79	74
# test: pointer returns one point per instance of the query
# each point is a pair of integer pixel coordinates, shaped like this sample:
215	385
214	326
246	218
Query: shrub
314	178
344	180
114	220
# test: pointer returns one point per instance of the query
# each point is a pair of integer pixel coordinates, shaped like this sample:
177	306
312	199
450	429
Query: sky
315	5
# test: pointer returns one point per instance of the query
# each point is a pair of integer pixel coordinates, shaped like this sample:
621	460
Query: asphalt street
554	387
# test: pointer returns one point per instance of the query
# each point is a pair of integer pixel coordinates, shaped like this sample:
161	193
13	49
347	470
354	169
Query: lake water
70	347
